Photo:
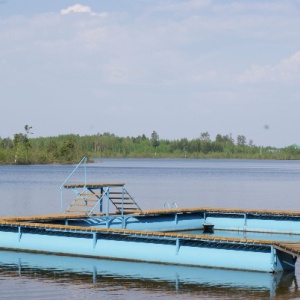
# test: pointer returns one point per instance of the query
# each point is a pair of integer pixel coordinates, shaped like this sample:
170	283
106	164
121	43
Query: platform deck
225	210
291	248
161	212
92	185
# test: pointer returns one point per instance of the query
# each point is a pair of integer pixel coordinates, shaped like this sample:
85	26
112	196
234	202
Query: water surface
249	184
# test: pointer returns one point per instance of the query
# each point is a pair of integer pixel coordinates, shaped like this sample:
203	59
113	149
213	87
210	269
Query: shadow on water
106	275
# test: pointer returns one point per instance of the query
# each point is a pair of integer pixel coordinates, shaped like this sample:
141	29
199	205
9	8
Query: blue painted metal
125	192
110	196
163	249
83	160
195	220
107	202
172	222
271	223
136	246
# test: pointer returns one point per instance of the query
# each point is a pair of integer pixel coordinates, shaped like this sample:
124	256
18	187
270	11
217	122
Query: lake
249	184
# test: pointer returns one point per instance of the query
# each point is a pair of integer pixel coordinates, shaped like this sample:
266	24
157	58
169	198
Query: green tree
52	149
6	143
18	146
70	148
224	139
204	136
67	150
241	140
26	141
22	145
155	140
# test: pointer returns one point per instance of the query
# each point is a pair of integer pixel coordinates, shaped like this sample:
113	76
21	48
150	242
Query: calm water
27	190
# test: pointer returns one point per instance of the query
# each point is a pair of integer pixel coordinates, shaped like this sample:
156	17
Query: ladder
103	196
123	202
83	203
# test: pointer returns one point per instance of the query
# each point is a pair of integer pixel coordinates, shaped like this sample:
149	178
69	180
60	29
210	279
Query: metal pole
61	187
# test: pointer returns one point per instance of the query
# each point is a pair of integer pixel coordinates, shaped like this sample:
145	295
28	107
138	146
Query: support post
101	200
94	274
122	205
245	221
177	246
94	239
19	267
19	233
107	202
176	218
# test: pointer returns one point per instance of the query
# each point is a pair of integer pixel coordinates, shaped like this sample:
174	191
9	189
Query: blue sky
131	67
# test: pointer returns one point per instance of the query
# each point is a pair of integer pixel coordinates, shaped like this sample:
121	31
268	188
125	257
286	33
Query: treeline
24	149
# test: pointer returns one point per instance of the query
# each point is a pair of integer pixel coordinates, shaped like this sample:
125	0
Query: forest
70	148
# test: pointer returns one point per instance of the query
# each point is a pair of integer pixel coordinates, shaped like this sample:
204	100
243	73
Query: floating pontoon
104	221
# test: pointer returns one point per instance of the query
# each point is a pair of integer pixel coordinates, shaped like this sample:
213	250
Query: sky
131	67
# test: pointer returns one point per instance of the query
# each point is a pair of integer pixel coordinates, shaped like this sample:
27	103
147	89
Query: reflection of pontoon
139	275
122	230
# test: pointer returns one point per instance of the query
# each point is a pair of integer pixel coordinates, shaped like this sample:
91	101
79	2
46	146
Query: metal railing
83	160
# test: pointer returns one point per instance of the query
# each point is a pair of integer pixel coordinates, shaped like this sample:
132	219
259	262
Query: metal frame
83	160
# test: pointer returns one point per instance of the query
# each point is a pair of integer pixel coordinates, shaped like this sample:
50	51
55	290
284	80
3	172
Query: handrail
105	193
126	192
169	206
84	159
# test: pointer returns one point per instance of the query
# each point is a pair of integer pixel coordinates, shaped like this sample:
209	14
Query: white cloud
285	71
77	8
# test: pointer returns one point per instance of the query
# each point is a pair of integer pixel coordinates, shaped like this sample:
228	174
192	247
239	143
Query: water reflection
106	275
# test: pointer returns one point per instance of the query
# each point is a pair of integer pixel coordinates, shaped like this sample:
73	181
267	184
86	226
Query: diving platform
93	195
